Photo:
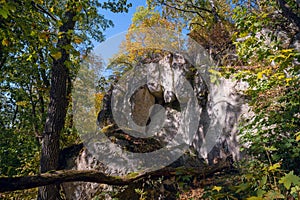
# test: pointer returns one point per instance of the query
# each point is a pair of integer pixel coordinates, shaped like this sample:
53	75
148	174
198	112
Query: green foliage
258	181
290	179
141	193
273	88
271	183
20	152
29	35
270	137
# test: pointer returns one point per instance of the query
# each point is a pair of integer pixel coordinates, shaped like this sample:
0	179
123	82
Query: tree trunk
57	109
288	13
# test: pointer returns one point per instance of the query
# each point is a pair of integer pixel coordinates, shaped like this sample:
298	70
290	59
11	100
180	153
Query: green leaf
29	57
274	195
274	167
256	24
56	55
5	42
242	187
260	193
295	190
272	148
255	198
260	75
217	188
298	136
4	12
290	179
263	181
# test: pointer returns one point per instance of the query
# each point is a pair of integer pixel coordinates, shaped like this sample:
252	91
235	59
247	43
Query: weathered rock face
141	102
78	158
219	105
225	107
156	99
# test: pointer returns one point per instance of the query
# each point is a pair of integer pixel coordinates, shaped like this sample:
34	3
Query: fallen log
57	177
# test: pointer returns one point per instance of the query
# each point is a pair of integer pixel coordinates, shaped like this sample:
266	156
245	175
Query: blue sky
122	20
116	34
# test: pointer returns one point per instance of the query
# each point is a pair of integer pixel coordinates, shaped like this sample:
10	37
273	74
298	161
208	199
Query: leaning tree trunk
57	110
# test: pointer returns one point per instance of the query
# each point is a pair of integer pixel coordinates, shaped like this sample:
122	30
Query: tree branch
192	5
43	10
288	13
58	177
184	10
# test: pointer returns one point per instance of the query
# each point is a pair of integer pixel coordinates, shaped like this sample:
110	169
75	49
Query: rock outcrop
155	103
163	85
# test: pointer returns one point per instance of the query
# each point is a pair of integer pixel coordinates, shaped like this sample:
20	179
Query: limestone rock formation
152	104
164	83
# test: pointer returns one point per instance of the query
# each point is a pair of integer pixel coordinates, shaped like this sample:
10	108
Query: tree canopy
43	41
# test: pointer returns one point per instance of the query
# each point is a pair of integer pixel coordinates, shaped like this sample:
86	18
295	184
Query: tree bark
288	13
56	110
57	177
